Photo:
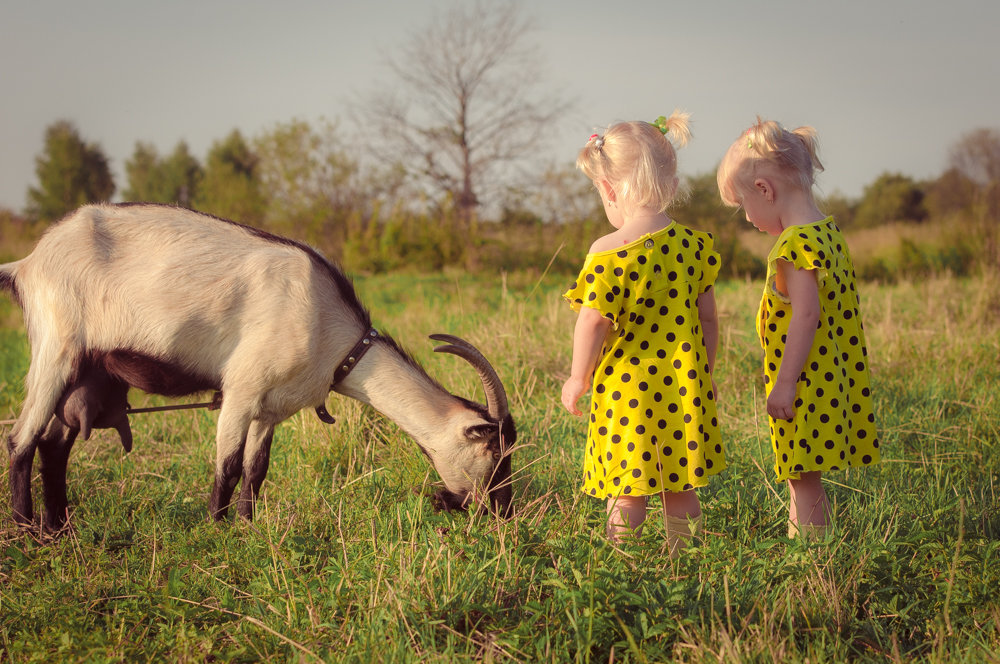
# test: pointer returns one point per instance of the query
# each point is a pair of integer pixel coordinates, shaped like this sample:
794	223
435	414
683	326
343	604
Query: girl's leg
681	518
625	516
809	508
681	504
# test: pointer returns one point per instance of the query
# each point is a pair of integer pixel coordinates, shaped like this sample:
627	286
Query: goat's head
481	460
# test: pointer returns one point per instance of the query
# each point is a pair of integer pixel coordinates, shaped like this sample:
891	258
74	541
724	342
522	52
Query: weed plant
347	561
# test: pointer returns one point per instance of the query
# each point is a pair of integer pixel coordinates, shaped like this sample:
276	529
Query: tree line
299	179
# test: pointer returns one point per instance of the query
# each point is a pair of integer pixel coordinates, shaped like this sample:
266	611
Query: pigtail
678	127
591	158
810	139
764	139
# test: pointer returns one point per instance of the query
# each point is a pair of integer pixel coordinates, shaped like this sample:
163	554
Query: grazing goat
174	302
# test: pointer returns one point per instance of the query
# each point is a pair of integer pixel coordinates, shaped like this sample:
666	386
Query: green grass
348	561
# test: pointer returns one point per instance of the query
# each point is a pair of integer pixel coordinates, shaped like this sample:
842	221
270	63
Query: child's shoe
809	532
680	531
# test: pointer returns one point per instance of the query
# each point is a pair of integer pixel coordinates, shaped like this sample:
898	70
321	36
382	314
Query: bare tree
466	105
564	194
977	156
307	177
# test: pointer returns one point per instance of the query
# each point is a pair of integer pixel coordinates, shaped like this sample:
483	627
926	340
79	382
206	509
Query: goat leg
230	442
54	447
19	476
256	459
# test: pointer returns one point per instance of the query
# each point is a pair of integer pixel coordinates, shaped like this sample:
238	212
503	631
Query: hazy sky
890	85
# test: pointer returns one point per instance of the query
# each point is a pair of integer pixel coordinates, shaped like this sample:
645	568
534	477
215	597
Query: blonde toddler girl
819	402
646	337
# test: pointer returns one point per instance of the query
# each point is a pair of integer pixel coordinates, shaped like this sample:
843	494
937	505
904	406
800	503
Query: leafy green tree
231	186
173	180
182	175
70	173
952	192
141	171
891	197
308	179
700	206
839	207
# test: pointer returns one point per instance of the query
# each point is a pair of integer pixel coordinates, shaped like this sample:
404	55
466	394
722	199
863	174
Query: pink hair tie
596	140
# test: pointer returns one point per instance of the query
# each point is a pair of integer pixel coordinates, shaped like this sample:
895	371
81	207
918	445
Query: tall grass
348	561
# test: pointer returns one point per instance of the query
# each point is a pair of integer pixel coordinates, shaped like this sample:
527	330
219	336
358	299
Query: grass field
347	560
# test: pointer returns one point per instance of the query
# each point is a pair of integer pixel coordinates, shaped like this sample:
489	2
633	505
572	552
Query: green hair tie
661	124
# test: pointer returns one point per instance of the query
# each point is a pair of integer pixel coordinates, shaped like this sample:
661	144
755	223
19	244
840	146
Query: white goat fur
253	315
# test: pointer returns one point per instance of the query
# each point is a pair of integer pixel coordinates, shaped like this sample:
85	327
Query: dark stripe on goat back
342	282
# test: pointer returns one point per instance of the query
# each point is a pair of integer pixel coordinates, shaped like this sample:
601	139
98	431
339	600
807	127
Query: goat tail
8	282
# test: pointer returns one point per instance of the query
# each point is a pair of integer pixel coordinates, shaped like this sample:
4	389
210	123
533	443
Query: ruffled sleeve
596	287
804	249
711	262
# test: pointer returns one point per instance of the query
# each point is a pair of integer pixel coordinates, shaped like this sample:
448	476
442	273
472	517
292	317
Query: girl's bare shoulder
609	242
601	244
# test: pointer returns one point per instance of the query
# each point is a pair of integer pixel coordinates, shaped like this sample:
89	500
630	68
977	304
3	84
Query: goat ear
480	433
484	434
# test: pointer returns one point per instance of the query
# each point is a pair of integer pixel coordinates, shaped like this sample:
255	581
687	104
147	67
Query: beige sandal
808	532
680	532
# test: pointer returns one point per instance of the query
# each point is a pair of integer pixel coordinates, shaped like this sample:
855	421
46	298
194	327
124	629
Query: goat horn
496	396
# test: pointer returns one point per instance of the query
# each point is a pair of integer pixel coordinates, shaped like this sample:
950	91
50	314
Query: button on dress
653	423
834	424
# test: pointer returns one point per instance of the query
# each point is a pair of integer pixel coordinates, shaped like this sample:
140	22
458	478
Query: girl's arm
709	316
803	291
588	339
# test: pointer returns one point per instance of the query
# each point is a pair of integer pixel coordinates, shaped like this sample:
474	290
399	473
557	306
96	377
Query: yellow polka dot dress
653	424
834	425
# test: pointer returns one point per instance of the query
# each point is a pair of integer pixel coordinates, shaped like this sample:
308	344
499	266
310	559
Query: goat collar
354	356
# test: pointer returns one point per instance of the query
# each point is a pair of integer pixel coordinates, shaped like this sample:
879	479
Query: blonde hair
793	153
637	160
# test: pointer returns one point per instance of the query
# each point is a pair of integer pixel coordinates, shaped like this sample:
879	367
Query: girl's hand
781	402
572	390
588	338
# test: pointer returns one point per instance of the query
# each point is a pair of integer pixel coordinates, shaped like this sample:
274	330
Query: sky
889	85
